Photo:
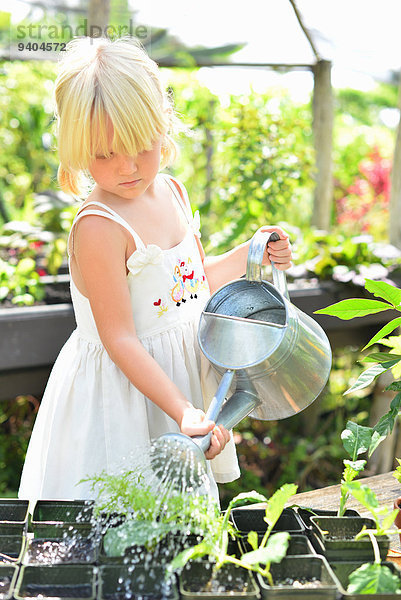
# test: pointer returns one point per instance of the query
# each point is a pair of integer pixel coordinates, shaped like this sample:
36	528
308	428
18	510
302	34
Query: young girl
131	370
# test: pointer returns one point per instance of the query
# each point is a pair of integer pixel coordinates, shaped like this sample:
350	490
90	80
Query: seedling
272	547
148	516
373	577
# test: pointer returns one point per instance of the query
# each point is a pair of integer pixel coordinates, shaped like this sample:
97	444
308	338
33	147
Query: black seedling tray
61	518
248	519
337	533
82	550
122	582
72	581
343	569
235	581
307	569
13	516
12	548
8	578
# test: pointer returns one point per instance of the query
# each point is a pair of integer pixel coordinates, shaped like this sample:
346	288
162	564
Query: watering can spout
182	458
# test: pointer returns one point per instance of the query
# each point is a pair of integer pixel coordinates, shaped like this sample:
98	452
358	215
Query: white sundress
91	416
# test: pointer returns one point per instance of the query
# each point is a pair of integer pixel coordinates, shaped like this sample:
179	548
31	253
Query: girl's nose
127	165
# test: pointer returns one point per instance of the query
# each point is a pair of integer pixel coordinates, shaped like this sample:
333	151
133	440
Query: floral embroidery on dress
161	307
151	255
178	290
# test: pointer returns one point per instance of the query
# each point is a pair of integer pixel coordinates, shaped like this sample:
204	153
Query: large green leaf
364	495
373	578
133	533
368	376
384	290
388	328
356	439
355	307
274	551
381	357
277	502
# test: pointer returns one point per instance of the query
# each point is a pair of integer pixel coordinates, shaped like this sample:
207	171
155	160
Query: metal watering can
279	357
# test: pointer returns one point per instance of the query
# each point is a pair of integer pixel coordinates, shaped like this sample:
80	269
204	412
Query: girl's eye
101	157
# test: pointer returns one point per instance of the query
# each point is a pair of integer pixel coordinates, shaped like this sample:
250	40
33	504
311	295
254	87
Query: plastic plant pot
197	580
122	582
298	545
12	548
8	578
301	577
337	536
306	514
82	550
73	581
61	518
248	519
13	516
343	569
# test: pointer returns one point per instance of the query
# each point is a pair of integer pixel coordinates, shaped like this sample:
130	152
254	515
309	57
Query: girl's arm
232	265
102	268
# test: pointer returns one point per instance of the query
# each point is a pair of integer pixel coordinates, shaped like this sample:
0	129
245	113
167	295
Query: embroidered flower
151	255
195	225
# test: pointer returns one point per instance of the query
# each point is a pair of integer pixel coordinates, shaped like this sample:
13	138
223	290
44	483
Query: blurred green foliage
248	161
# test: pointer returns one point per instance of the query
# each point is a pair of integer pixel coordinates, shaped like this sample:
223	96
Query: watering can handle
215	407
255	258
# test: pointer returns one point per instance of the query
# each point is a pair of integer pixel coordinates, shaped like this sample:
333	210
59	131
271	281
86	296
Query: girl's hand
194	422
279	252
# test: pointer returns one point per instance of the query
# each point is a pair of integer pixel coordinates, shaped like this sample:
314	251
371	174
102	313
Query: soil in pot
8	575
61	551
309	577
201	580
123	582
337	536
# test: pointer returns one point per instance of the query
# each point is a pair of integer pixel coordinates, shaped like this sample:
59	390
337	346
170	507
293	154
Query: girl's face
127	176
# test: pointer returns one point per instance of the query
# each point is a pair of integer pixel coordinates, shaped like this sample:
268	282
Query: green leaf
354	307
388	328
377	439
277	502
370	375
384	290
352	468
381	357
388	520
274	551
253	539
364	495
394	386
356	439
373	578
179	561
133	533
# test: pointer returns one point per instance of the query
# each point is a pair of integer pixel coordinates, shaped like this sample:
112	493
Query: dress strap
107	213
180	195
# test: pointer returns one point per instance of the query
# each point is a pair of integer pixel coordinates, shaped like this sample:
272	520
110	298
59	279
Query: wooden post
98	17
395	196
323	139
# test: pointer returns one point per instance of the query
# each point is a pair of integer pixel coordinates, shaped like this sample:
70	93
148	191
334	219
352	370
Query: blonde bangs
110	99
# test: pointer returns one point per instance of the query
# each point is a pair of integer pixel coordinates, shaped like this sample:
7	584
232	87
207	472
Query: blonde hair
102	82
